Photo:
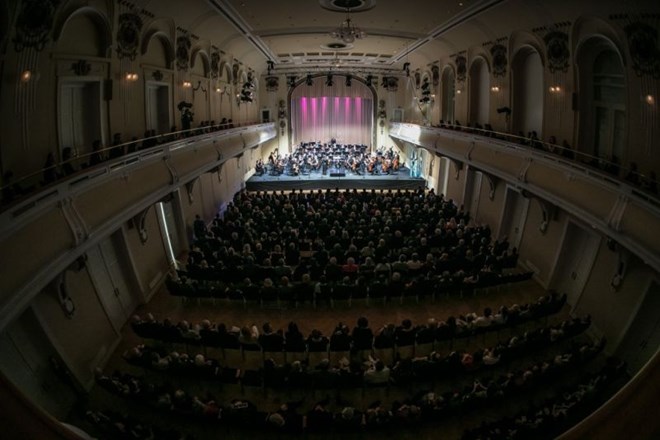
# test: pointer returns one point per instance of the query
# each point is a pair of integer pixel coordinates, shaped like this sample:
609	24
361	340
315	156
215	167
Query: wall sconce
650	99
131	76
186	84
555	89
459	91
495	89
26	76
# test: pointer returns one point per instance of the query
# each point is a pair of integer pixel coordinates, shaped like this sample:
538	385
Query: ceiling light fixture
347	31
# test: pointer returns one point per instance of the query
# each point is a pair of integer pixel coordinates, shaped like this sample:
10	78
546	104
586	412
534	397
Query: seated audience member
271	340
377	373
362	335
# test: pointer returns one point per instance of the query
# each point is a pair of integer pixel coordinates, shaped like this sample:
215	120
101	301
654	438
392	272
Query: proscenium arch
301	82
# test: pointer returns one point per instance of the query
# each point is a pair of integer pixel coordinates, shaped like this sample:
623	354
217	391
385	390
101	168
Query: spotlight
328	80
309	80
349	78
370	78
292	81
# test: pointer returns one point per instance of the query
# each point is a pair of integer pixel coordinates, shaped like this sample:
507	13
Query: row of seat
330	293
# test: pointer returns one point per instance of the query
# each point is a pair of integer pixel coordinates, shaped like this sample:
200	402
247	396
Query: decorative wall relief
461	68
272	83
128	35
34	23
183	45
556	44
390	83
498	52
643	46
81	68
215	64
435	73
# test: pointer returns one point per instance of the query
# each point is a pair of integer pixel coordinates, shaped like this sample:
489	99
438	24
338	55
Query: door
107	266
79	115
642	338
443	178
29	361
472	191
514	216
158	107
576	258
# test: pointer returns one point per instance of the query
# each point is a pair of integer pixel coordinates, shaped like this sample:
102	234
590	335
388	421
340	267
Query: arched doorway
479	82
448	95
527	77
602	105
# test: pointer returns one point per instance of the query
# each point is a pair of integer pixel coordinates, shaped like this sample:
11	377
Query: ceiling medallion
343	5
336	45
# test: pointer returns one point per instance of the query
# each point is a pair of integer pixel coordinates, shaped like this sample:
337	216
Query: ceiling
295	34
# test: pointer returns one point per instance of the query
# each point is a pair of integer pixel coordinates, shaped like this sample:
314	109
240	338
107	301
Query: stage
335	178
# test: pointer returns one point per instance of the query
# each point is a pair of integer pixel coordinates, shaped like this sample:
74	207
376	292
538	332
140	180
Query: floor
163	305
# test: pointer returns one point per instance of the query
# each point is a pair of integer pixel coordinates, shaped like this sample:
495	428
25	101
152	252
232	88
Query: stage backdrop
320	112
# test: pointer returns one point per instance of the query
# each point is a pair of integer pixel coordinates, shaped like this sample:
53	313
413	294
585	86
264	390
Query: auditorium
329	219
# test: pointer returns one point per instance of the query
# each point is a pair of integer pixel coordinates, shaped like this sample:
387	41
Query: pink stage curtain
321	113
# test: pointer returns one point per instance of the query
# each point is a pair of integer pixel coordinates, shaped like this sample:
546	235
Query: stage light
328	80
370	78
309	81
349	78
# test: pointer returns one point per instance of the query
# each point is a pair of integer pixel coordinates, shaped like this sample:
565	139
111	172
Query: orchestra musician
317	156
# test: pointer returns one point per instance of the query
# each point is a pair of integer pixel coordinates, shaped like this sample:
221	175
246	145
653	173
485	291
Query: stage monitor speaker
338	174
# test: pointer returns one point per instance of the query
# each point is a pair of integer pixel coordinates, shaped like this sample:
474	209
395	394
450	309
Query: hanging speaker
107	90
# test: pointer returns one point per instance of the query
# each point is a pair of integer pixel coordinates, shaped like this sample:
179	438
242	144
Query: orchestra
315	157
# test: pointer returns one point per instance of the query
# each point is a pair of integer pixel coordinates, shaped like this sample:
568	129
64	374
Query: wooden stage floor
331	180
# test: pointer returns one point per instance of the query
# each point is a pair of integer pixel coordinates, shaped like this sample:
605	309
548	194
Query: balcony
618	209
45	232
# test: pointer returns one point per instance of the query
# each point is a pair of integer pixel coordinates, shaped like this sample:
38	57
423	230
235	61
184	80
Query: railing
646	183
60	222
29	184
620	210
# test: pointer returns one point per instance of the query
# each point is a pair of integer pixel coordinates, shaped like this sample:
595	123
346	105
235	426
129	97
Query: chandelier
347	31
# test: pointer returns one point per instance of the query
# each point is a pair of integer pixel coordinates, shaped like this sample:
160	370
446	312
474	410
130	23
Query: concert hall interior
329	219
